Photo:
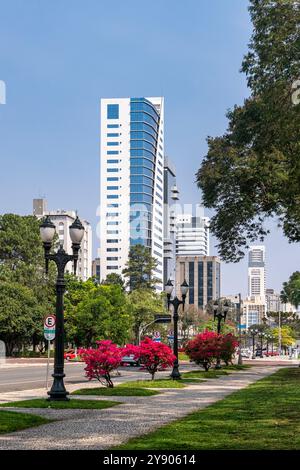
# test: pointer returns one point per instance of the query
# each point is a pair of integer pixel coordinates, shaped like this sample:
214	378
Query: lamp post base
175	375
58	391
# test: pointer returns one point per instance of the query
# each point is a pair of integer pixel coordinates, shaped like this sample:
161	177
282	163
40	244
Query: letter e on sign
50	321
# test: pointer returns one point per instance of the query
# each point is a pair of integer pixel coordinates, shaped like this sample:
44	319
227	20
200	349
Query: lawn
263	416
11	421
158	383
116	391
71	404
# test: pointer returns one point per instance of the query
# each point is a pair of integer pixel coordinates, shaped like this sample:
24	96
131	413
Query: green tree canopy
114	278
102	313
140	268
252	172
291	290
21	316
144	304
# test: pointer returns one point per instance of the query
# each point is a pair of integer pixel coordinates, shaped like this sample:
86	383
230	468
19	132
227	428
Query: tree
152	355
144	305
115	279
287	336
20	316
212	325
103	313
22	265
229	344
252	172
291	290
102	361
140	268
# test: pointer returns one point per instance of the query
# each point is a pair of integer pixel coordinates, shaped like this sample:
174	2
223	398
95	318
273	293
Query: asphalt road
28	377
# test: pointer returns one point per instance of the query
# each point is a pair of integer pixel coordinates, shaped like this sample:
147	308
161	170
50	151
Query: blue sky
59	58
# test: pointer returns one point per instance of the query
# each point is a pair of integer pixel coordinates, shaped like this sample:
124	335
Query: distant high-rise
171	196
256	271
192	235
62	220
132	181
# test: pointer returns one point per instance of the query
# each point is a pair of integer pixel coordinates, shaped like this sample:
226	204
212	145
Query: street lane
28	377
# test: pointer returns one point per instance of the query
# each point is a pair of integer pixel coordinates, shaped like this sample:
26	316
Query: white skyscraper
256	271
132	165
192	235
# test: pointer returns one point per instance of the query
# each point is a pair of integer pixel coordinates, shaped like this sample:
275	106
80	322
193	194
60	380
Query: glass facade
144	126
191	283
200	285
209	281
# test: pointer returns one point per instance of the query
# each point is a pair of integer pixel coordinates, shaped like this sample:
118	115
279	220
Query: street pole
61	258
176	303
279	333
240	359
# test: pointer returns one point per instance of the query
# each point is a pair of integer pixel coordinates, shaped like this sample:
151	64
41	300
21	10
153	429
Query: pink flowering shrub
152	355
102	361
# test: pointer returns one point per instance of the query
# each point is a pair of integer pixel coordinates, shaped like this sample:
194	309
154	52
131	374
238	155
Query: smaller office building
203	274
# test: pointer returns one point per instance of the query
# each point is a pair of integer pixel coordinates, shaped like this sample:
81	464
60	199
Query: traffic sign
50	321
49	334
156	334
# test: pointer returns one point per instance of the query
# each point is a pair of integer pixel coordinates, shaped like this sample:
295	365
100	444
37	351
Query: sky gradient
59	58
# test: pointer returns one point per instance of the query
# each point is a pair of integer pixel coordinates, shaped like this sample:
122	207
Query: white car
246	352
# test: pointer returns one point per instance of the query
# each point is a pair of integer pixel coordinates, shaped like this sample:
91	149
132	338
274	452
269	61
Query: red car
70	354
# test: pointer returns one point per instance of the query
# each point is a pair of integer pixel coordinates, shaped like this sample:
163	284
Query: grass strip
263	416
55	405
116	391
11	421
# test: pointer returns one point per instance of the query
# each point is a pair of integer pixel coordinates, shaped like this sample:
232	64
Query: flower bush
204	349
152	355
207	347
102	361
229	344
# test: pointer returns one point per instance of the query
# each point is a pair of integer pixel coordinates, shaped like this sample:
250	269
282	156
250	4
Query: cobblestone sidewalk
102	429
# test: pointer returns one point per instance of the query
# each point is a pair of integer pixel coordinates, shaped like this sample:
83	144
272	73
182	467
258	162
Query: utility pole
279	332
240	359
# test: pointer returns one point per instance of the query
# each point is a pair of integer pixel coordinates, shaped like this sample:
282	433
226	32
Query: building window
111	250
112	178
112	188
112	111
113	152
111	144
191	283
112	170
112	161
112	126
112	240
111	267
113	134
112	258
112	196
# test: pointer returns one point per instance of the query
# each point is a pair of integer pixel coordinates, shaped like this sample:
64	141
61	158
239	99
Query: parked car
130	361
246	352
70	354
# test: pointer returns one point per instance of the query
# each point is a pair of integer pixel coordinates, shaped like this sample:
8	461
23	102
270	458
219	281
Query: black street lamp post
176	303
220	312
61	258
261	336
253	334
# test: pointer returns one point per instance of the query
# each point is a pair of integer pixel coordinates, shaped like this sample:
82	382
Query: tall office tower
256	271
62	220
132	164
171	196
203	274
192	236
